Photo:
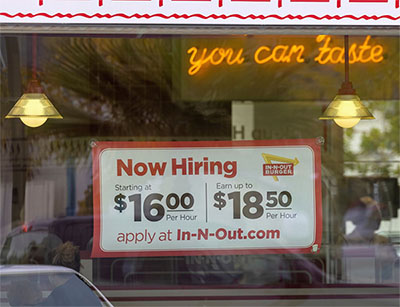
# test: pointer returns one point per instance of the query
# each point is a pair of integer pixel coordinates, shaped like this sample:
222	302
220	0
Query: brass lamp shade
346	111
34	109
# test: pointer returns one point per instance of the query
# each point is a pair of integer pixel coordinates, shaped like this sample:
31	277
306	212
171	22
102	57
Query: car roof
30	269
46	224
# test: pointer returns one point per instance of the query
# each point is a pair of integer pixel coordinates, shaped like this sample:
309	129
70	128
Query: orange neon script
279	54
363	53
328	54
216	56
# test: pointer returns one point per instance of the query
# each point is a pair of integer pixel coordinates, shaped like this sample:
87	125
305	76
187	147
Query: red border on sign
201	16
101	146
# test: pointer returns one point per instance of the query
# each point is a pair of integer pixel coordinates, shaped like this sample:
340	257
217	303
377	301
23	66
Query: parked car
40	285
33	243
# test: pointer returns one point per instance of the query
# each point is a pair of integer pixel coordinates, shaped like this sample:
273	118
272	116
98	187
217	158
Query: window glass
47	289
203	88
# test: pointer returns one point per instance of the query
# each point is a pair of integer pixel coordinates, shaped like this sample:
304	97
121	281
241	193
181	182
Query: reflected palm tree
126	87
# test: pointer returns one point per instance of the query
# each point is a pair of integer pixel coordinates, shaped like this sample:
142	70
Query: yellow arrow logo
268	158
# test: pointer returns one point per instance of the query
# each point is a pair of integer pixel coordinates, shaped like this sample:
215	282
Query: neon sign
363	53
328	54
215	57
279	54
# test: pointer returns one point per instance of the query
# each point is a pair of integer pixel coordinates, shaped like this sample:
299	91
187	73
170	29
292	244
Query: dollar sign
121	204
220	201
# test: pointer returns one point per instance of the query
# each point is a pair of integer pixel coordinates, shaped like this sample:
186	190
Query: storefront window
204	88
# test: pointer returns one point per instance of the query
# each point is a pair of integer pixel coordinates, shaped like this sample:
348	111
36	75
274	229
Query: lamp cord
346	88
34	55
346	59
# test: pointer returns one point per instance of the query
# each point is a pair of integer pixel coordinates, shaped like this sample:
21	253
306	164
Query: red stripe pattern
220	2
212	16
100	2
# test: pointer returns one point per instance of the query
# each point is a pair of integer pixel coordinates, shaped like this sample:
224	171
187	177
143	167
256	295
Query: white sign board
190	198
230	12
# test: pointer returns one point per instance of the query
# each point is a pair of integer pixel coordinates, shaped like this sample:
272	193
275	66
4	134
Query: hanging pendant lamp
346	109
34	108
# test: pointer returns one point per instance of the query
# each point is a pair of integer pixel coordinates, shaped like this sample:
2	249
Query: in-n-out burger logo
328	54
278	169
178	167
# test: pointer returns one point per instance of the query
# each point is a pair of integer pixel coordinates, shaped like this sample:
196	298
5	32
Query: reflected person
366	215
68	289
